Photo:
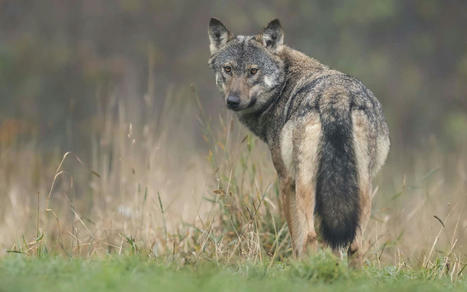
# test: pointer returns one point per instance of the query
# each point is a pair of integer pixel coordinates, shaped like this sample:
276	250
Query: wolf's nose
233	101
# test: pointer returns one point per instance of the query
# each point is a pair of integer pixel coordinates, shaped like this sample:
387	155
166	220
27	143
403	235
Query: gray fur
292	87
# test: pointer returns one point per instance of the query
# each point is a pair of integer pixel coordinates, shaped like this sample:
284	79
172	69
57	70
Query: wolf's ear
219	35
273	35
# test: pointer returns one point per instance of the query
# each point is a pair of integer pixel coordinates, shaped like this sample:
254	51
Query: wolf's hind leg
295	210
356	248
307	139
306	239
364	151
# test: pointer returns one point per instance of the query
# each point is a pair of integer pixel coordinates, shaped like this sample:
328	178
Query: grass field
323	272
121	168
158	207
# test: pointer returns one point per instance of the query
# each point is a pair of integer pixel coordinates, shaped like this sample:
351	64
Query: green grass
135	273
65	230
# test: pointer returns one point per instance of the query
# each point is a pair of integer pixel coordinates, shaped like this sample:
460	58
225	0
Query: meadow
153	209
322	272
120	167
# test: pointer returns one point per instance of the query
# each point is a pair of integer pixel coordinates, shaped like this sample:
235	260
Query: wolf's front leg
288	202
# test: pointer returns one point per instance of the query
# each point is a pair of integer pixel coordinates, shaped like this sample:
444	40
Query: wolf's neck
267	123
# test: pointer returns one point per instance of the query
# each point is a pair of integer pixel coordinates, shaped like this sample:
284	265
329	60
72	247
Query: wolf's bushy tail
337	191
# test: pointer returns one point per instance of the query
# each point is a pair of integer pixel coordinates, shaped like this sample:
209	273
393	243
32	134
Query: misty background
61	60
125	86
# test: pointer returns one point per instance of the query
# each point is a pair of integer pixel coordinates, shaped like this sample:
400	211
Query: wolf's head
249	71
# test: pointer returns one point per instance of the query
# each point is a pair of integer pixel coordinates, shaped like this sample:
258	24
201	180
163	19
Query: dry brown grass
152	185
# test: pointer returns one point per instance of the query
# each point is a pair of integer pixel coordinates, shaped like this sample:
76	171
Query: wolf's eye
253	71
227	69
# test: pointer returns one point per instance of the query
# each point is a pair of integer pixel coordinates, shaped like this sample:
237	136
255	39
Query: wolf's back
337	190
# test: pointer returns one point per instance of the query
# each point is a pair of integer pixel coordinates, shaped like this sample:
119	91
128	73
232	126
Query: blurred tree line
60	59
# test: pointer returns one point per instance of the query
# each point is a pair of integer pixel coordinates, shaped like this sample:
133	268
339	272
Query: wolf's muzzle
233	101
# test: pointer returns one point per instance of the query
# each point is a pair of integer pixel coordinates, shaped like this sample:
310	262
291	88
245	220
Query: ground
134	273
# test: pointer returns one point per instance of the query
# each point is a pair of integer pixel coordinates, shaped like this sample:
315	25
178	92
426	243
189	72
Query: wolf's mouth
241	107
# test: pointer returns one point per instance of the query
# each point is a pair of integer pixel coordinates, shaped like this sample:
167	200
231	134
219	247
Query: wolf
325	130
